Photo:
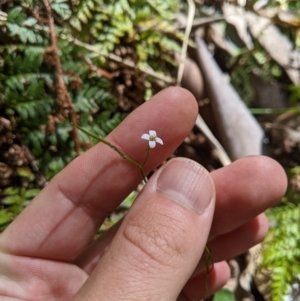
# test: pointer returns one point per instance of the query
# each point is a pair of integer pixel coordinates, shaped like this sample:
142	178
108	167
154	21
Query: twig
189	24
203	21
100	72
223	157
63	99
118	59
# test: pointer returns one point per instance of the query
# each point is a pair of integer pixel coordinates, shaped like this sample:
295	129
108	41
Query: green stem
147	156
143	175
209	265
125	157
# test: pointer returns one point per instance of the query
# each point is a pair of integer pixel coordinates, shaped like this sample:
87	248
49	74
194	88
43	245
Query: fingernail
186	182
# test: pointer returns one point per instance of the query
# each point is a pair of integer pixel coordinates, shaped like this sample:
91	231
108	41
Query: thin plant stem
209	260
147	156
209	265
115	148
191	15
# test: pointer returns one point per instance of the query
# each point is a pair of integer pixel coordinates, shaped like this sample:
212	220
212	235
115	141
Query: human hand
154	253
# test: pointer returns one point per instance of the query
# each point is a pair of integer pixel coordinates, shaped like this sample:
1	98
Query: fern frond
29	90
281	249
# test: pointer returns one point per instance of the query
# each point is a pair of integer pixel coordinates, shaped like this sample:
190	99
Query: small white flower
152	138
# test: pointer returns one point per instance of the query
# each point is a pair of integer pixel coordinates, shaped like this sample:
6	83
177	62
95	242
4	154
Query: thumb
160	241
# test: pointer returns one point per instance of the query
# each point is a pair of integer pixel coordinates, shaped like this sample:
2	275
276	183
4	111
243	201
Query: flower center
152	138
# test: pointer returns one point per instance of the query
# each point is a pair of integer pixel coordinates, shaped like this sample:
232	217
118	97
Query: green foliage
295	95
29	97
285	4
241	79
246	64
22	27
15	199
28	77
141	24
224	295
281	249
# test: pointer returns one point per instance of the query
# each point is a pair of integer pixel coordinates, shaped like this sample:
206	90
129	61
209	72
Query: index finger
61	221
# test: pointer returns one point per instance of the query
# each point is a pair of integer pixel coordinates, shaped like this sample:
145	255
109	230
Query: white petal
145	136
152	144
158	140
152	133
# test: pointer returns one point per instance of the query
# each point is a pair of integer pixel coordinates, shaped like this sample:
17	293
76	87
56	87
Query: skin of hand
154	254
